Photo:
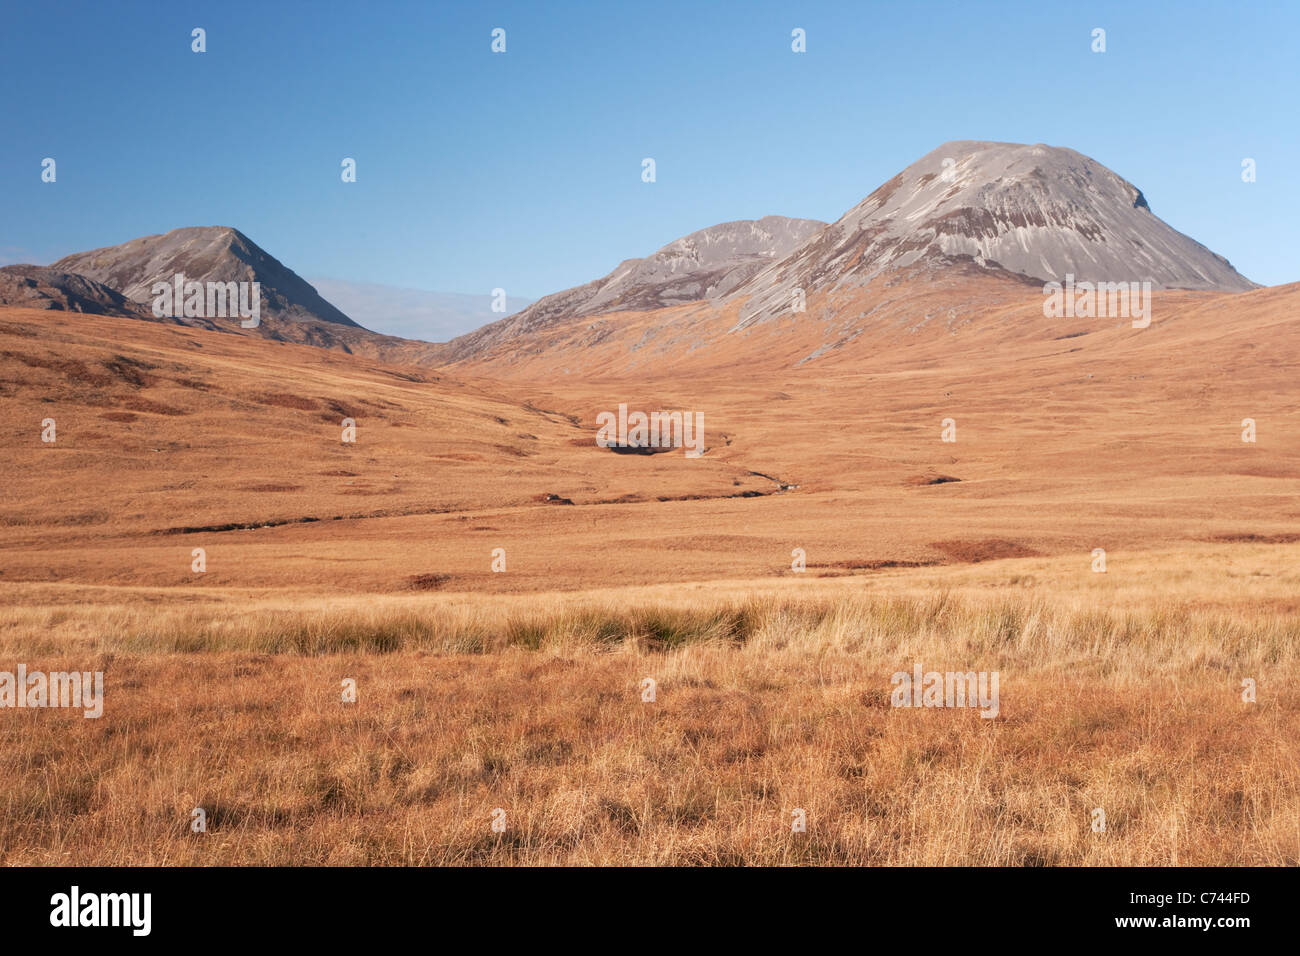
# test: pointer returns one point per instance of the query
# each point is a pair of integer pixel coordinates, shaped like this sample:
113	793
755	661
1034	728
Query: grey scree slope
1039	211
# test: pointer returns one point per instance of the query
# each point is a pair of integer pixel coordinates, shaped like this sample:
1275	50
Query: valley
925	470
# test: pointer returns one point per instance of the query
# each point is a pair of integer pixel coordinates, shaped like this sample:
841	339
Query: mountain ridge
967	210
706	264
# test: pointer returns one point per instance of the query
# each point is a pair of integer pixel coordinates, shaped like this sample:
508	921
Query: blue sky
523	170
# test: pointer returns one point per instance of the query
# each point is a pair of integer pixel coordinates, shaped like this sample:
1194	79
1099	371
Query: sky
522	170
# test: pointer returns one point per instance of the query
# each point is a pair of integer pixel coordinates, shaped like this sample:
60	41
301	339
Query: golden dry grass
763	705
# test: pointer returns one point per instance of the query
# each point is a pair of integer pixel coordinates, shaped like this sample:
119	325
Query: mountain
704	265
210	253
1036	211
414	313
971	230
971	226
42	287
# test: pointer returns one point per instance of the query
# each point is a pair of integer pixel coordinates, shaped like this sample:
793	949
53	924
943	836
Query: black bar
944	906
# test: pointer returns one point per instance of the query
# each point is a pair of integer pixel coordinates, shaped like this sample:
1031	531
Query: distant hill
203	254
414	313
